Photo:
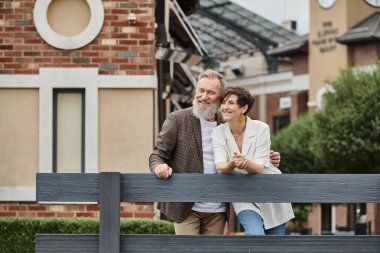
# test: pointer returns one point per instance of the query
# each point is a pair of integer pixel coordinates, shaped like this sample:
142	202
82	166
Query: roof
367	30
298	45
227	29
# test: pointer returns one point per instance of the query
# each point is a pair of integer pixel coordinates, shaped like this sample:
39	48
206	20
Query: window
328	225
68	130
362	226
68	24
280	122
326	219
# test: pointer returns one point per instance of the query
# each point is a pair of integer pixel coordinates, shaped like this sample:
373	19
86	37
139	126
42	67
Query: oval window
68	24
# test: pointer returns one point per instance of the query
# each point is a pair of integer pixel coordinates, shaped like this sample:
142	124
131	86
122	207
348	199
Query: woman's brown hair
243	97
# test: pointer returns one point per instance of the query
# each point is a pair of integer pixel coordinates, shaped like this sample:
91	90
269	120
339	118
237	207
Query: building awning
296	46
228	29
176	56
185	37
367	30
181	25
182	87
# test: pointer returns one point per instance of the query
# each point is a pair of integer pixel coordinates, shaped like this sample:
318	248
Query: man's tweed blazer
179	144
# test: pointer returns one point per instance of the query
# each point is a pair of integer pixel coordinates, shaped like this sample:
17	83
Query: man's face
207	93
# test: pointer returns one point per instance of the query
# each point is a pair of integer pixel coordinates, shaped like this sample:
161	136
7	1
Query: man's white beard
206	114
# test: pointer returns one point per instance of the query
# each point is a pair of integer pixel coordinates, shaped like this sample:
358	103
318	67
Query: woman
242	145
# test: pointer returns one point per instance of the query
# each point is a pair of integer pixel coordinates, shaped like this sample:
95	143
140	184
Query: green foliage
18	235
145	226
349	125
297	146
301	211
344	136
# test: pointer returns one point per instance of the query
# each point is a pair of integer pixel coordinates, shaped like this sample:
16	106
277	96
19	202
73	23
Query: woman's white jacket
256	148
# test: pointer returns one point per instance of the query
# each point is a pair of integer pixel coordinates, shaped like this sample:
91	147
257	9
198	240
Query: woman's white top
256	148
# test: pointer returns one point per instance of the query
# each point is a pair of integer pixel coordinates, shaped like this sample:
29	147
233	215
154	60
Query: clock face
374	3
327	4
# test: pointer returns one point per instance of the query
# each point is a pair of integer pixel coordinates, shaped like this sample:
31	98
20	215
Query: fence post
109	231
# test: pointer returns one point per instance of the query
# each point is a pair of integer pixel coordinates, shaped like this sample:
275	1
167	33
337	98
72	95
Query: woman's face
231	111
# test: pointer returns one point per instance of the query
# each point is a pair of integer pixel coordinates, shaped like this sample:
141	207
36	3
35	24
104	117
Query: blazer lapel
250	132
230	140
196	123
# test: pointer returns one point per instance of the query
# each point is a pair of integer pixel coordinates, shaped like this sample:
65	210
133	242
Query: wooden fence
110	188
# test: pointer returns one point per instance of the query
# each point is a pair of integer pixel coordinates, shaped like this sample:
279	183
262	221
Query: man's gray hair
209	73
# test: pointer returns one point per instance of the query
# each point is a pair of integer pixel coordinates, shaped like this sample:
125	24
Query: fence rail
109	189
207	244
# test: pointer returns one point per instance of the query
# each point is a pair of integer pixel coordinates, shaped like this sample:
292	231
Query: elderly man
184	145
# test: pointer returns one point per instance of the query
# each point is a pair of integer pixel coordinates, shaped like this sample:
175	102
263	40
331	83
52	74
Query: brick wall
119	49
376	222
254	112
314	219
273	108
364	53
33	210
300	64
341	215
299	105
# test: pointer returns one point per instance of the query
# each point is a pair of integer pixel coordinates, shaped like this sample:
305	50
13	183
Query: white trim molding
333	218
51	78
320	95
46	81
17	193
273	83
311	104
132	82
68	42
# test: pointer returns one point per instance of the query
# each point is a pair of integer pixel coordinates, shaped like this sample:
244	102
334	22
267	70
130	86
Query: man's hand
275	158
163	171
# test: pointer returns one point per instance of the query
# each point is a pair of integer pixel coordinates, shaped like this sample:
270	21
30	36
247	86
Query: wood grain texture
66	243
207	244
67	187
295	188
301	188
109	234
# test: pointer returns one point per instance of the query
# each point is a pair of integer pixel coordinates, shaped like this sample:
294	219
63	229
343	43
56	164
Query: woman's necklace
237	136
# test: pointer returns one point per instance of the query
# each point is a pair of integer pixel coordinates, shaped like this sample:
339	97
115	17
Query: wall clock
326	4
373	3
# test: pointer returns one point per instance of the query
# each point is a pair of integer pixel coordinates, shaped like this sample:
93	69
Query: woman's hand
225	168
240	161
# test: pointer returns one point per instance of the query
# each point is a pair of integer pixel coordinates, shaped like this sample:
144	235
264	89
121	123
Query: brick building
77	94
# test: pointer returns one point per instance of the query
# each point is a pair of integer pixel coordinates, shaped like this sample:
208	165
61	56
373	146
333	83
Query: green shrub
343	137
349	124
18	235
145	226
296	143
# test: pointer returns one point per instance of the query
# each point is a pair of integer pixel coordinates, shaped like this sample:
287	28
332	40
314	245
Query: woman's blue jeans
254	225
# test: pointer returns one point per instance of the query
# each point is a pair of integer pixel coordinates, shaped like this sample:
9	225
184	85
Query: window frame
68	42
57	91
